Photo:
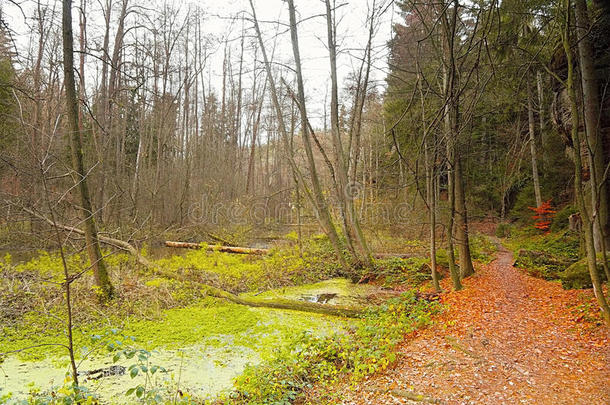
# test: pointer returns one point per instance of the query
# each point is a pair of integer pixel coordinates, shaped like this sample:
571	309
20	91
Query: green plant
482	248
150	391
561	219
503	230
369	346
411	271
66	394
544	255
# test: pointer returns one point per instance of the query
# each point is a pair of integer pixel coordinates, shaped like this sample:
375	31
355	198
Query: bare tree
100	271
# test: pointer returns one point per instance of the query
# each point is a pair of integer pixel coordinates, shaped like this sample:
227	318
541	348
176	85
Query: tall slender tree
80	174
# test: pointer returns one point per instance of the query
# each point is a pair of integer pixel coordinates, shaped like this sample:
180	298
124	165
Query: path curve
507	338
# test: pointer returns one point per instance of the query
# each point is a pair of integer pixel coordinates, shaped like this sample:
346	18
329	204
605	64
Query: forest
304	202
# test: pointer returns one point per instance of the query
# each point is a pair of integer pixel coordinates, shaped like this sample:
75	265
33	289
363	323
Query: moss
442	258
577	275
544	255
410	272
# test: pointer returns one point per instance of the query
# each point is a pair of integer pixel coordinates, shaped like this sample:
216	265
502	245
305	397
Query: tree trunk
454	271
430	163
543	133
591	100
345	190
93	247
318	203
322	206
452	112
461	232
532	133
284	303
432	217
587	221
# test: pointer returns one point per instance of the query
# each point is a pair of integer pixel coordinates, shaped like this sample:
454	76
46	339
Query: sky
352	34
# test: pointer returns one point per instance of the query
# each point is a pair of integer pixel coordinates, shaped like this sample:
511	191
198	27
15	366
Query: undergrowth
32	307
366	348
544	255
171	312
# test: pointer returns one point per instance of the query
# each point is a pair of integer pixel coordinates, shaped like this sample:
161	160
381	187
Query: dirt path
507	338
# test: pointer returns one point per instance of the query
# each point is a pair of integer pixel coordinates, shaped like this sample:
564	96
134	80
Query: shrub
543	216
503	230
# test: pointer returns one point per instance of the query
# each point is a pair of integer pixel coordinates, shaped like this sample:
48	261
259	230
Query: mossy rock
541	264
577	275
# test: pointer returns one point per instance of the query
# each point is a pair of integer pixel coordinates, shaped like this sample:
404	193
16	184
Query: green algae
206	344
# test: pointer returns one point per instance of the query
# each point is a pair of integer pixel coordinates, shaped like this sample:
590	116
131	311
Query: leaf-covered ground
507	338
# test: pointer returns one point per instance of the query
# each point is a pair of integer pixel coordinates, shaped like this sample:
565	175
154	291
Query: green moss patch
577	275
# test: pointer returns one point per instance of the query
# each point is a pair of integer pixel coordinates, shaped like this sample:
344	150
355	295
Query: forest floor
507	338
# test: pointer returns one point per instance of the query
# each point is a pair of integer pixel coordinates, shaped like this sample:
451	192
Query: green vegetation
577	275
170	313
482	248
32	307
366	348
503	230
544	255
409	272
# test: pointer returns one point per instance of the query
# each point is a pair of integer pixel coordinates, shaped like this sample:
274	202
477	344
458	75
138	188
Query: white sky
352	34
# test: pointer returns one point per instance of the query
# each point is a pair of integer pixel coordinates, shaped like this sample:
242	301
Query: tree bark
432	218
543	132
453	270
532	134
591	100
93	248
587	222
461	232
320	201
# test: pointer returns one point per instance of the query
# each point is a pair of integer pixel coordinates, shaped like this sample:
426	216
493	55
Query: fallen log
284	303
259	251
276	303
225	249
